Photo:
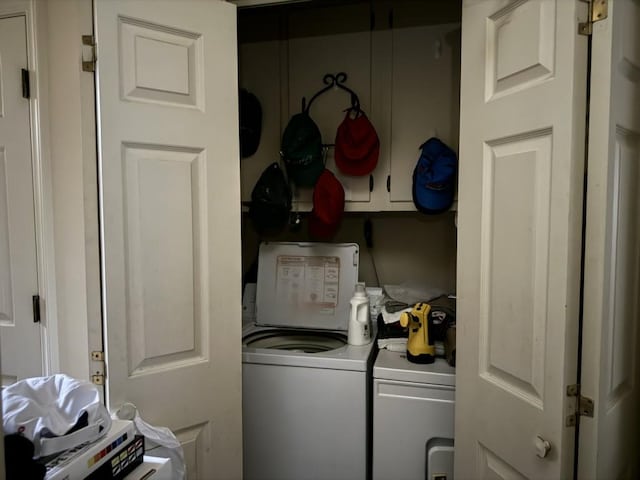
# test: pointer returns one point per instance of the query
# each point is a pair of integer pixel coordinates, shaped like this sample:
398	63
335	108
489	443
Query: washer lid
306	285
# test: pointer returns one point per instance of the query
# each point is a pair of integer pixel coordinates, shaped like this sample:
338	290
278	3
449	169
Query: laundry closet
402	61
529	250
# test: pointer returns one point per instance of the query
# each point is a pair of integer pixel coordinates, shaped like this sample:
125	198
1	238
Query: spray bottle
359	321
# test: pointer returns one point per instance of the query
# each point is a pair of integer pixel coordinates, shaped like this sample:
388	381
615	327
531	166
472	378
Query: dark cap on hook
357	145
301	150
328	207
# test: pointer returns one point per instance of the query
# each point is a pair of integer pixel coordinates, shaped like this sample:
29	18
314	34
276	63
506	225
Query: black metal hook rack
332	81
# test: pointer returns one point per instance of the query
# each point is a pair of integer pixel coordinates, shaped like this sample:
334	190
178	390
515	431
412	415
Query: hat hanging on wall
270	202
434	177
250	123
328	207
357	145
301	150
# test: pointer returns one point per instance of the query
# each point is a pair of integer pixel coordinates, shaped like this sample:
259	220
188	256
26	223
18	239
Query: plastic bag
159	441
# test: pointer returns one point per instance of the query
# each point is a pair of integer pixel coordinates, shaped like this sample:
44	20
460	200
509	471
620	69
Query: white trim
42	192
43	195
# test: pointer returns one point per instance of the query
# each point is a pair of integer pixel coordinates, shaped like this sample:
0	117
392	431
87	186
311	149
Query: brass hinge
90	64
97	356
598	10
583	407
98	377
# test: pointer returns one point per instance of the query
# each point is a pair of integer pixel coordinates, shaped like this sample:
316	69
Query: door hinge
97	356
26	84
598	10
98	377
35	303
583	407
90	64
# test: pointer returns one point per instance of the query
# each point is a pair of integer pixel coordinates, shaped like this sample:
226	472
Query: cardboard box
81	461
121	464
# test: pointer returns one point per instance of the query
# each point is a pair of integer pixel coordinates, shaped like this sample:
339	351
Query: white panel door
21	342
169	160
520	197
609	442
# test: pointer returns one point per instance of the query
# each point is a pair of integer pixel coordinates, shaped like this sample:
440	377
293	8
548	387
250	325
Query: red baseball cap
357	146
328	206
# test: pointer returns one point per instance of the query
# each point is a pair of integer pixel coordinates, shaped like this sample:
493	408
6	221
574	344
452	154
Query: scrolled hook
341	77
329	79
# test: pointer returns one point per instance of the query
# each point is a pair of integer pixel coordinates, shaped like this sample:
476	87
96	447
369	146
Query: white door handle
542	447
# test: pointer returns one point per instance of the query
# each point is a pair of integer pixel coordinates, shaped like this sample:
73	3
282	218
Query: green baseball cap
301	150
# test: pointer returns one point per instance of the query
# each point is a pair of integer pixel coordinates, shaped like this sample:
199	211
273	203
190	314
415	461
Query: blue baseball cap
434	177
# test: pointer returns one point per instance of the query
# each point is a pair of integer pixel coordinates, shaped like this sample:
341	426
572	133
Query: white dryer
306	393
413	418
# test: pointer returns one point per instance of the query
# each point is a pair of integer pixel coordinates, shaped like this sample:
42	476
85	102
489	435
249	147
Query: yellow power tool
420	345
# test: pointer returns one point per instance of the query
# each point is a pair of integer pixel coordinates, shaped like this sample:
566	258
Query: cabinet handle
389	183
370	183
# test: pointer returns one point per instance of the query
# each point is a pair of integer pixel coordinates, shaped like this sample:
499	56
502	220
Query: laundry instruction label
309	281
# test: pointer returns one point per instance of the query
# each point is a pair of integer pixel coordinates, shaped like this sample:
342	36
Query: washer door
296	341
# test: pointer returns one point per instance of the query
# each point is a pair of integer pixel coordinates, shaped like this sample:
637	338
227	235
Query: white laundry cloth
44	409
393	344
393	317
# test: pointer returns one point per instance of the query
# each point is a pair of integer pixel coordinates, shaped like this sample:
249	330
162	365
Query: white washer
413	418
306	393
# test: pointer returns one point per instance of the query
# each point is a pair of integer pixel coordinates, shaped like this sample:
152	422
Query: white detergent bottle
359	321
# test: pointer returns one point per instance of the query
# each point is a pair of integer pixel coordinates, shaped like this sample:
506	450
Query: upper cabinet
402	58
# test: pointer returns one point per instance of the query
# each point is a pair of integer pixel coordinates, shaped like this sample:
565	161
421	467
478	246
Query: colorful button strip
105	451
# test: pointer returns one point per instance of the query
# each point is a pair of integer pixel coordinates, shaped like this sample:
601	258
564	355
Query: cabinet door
610	355
331	40
425	86
520	203
284	56
169	158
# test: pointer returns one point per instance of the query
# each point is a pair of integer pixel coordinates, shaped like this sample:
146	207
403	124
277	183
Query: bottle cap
360	290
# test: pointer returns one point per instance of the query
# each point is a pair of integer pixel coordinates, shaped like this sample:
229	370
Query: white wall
407	247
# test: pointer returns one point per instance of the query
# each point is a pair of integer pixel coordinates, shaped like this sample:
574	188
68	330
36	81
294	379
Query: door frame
42	191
